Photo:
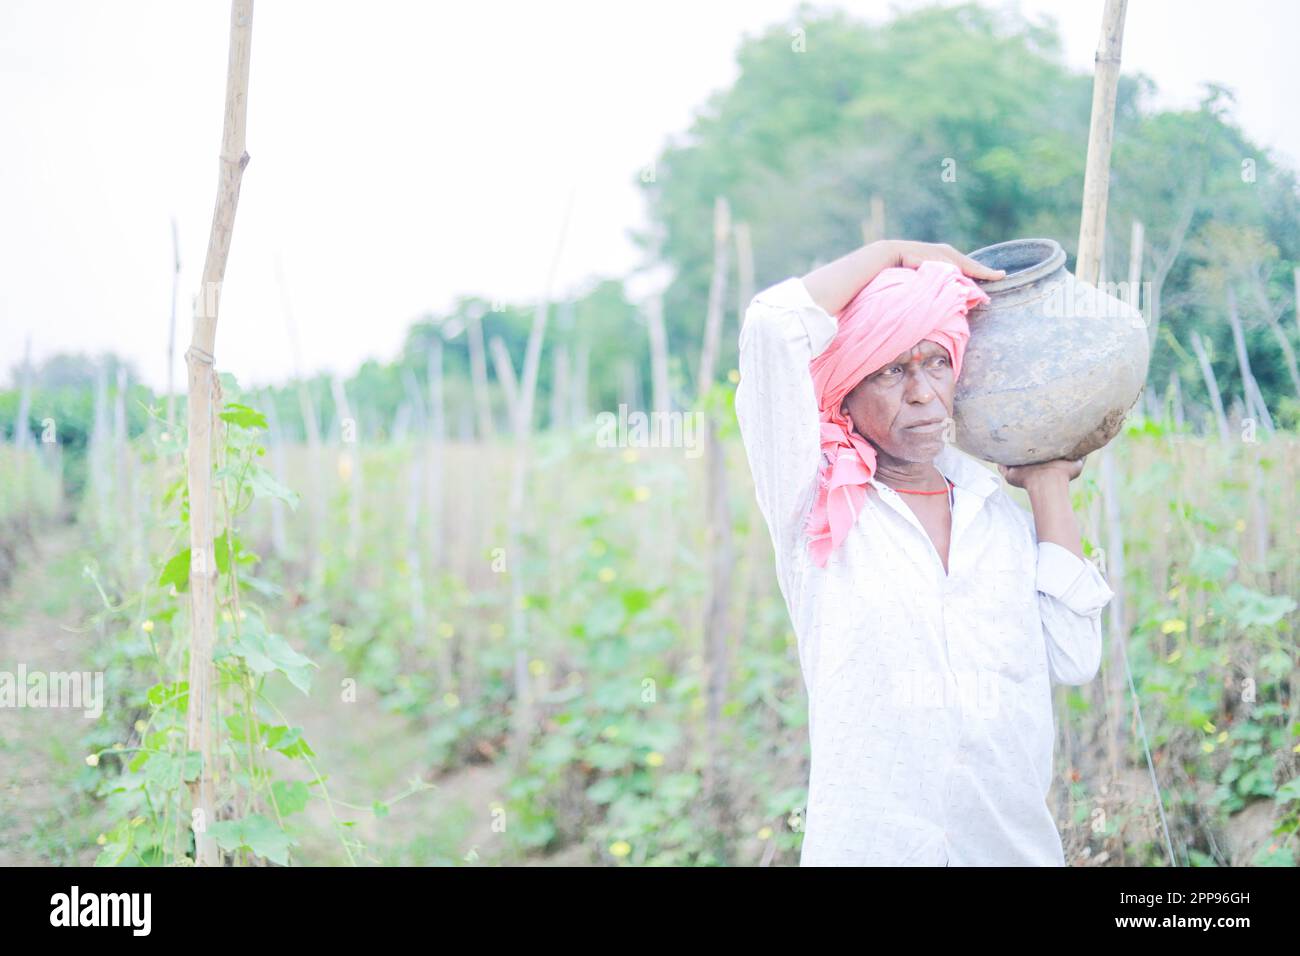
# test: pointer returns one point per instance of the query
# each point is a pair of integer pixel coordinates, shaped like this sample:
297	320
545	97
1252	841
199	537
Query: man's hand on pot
1022	476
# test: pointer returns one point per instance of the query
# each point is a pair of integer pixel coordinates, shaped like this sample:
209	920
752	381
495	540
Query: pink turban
897	309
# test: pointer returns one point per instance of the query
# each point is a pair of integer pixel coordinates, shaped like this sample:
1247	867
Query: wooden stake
523	422
1212	387
713	319
202	381
661	399
1096	179
1254	400
478	375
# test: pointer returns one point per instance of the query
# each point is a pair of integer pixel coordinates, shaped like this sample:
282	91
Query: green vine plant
266	773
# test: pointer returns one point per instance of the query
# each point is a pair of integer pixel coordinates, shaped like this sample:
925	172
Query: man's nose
920	389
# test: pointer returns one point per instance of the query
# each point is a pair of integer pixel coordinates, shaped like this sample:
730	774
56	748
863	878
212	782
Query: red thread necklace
941	491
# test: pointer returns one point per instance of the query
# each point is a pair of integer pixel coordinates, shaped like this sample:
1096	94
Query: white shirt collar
965	472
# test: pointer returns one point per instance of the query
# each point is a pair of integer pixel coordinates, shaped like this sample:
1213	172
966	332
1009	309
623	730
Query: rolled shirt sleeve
1071	596
784	329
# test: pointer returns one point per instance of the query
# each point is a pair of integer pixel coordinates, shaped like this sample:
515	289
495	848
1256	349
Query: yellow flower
641	493
606	574
654	759
140	726
93	760
1239	524
1172	658
1223	735
1175	625
733	376
1208	747
620	849
1174	592
1208	727
101	839
446	629
148	627
765	833
537	668
450	699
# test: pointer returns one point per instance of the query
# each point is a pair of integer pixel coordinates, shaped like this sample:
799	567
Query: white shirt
929	694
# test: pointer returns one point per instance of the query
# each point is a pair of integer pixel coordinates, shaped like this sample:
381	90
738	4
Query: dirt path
44	820
369	754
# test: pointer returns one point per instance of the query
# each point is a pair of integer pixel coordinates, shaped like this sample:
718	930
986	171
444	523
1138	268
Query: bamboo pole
437	450
713	319
436	467
523	423
1096	179
1135	249
1176	400
478	376
717	622
202	382
1092	234
505	369
1254	400
1211	386
661	398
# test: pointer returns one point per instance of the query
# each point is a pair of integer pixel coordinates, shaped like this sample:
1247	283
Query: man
932	614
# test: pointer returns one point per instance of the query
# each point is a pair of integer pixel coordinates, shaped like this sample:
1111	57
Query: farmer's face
916	387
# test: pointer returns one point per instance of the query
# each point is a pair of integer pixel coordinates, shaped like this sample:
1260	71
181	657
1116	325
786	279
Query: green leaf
243	416
290	797
168	771
221	551
1288	791
256	833
265	485
176	571
265	652
1213	562
288	741
174	695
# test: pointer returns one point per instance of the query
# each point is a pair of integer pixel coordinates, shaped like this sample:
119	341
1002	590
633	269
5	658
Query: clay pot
1053	364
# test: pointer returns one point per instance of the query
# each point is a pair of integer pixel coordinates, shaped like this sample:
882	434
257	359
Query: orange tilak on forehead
919	351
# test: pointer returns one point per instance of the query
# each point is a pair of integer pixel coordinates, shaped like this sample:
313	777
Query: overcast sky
407	153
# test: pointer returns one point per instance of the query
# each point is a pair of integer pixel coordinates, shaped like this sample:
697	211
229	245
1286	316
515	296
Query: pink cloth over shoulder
897	309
